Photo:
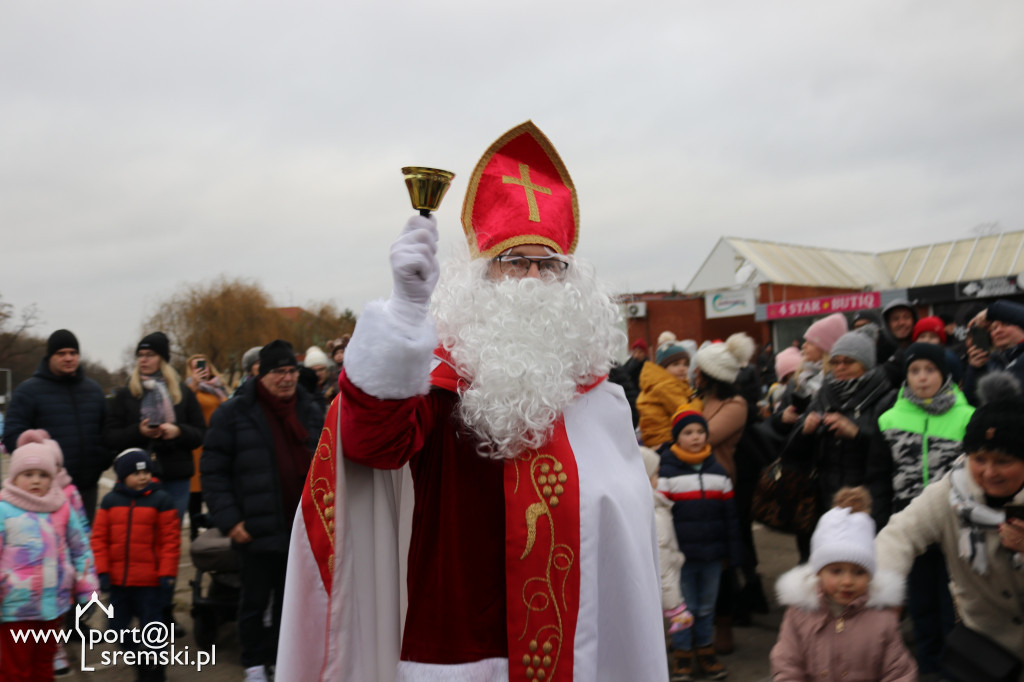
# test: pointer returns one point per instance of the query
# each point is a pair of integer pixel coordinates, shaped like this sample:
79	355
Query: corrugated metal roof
999	255
806	265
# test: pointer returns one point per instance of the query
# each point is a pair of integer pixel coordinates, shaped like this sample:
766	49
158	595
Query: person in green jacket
918	440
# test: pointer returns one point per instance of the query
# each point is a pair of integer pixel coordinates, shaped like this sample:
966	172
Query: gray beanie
251	357
858	346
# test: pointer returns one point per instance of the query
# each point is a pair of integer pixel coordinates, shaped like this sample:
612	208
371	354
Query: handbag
970	656
786	498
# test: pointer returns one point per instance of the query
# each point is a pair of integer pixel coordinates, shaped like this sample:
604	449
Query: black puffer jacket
173	456
239	469
840	461
72	410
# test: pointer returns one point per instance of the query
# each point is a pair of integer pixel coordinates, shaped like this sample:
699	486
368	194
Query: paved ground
749	663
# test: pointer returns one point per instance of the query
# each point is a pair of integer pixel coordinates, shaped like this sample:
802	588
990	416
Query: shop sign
990	287
826	305
731	303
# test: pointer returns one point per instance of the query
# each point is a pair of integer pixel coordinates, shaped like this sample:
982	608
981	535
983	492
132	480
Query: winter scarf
22	499
940	403
975	520
845	389
808	381
156	405
215	387
290	452
691	458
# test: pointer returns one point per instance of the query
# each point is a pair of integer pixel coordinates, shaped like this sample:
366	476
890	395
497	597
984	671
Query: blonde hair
209	366
171	378
856	499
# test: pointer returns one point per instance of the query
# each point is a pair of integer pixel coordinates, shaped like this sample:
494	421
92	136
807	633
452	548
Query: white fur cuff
388	359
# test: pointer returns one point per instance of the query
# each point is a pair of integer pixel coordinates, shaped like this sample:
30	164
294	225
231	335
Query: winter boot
709	663
681	669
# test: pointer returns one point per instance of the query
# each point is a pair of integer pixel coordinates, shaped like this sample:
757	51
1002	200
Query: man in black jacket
72	409
255	458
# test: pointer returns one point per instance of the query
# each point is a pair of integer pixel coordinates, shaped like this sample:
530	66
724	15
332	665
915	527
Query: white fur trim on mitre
799	587
389	359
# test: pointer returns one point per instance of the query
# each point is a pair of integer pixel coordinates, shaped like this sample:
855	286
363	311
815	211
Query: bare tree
225	317
19	349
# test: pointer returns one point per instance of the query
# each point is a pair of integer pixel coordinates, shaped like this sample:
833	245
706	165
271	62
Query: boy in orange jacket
136	539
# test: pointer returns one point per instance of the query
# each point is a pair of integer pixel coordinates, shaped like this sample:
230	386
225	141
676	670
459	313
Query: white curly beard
525	346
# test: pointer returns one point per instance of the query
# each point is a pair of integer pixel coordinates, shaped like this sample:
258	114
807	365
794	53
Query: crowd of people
462	478
173	449
874	414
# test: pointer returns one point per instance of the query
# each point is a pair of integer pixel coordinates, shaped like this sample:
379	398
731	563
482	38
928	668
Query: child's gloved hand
679	618
104	582
167	588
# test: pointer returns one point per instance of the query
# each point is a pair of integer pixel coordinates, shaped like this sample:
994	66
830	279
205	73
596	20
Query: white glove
414	269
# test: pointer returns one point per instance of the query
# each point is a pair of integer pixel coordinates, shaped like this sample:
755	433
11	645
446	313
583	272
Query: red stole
542	570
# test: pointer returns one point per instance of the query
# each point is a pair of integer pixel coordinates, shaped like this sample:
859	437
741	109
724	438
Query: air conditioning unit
636	309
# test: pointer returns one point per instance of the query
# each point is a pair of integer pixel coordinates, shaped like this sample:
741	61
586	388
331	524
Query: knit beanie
250	358
651	460
131	460
931	352
35	450
315	358
276	354
786	362
997	423
931	324
826	331
843	535
671	353
641	345
857	346
59	340
683	417
1006	312
723	361
156	342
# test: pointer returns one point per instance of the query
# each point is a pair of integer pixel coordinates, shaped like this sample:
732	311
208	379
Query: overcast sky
147	145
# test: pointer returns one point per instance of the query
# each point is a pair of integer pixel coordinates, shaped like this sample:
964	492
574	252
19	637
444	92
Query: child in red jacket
136	539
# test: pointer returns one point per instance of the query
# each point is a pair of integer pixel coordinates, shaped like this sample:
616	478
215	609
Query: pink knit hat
825	332
36	450
786	362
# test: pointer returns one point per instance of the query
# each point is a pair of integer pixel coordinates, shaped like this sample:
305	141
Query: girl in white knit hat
841	622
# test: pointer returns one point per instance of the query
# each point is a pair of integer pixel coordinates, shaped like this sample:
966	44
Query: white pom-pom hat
723	361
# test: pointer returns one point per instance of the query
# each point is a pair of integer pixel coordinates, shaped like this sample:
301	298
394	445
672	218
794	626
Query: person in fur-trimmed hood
840	622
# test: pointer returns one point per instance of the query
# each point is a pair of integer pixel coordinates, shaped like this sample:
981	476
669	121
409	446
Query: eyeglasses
842	360
519	266
284	372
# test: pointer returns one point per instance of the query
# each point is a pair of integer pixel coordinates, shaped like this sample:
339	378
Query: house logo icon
81	610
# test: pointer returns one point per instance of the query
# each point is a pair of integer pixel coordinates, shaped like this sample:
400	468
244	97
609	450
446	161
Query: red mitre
520	193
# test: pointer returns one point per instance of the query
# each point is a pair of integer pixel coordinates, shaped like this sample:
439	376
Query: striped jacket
703	510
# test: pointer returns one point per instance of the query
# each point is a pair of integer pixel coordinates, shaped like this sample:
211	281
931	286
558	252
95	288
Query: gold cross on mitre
492	213
524	181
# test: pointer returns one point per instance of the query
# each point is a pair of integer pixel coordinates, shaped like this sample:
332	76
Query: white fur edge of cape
388	359
799	587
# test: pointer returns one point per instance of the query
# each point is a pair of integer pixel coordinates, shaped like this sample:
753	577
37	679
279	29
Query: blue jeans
700	582
930	606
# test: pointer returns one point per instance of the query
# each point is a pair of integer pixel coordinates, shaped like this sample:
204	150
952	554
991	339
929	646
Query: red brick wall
685	316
